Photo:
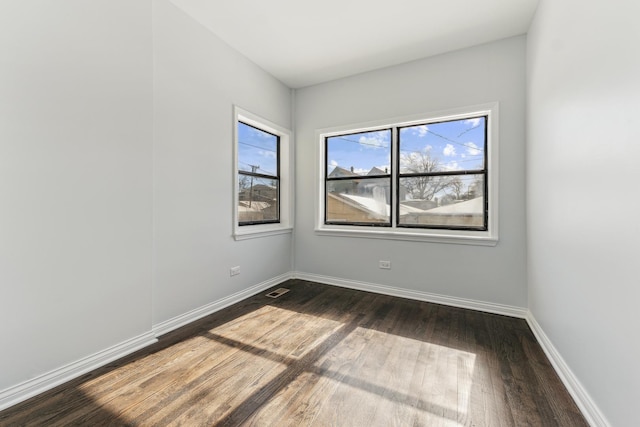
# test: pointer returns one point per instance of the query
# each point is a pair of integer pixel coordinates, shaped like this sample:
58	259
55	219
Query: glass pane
446	201
257	199
366	153
257	150
446	146
359	201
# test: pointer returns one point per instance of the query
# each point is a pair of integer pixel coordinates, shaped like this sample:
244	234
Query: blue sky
458	145
258	148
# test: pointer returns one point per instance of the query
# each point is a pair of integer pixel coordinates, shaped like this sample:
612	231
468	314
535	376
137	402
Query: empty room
286	213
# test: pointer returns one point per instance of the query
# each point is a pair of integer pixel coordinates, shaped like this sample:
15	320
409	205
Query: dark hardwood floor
321	356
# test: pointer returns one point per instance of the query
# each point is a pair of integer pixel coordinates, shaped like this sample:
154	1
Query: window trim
487	237
285	224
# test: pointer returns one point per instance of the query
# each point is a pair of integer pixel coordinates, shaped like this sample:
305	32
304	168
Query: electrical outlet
234	271
385	264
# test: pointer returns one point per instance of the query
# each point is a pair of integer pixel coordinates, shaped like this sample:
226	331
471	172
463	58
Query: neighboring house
344	186
339	172
247	214
357	186
351	208
369	209
357	208
258	203
377	171
469	213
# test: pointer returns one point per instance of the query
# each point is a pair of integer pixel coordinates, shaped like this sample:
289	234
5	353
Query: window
258	175
360	194
431	178
442	174
262	184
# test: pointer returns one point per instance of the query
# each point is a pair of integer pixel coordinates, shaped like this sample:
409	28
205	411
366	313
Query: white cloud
376	140
268	154
422	131
449	150
472	122
451	166
333	163
260	134
473	149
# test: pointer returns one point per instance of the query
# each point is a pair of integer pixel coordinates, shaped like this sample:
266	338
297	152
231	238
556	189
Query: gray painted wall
197	80
75	181
487	73
116	176
582	193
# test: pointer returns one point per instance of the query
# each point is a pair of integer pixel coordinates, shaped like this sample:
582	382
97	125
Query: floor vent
277	292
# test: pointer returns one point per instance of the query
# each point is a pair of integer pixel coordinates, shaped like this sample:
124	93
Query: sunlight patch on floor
293	334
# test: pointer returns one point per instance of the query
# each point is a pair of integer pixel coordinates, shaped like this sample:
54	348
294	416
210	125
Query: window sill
430	236
257	231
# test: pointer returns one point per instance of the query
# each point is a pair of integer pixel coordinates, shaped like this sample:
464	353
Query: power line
469	130
267	172
462	144
481	150
256	146
360	142
451	140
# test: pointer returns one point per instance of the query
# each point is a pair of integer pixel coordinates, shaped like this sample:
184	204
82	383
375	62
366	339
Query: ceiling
303	43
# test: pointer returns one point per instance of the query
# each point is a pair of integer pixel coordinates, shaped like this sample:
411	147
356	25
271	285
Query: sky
458	145
257	148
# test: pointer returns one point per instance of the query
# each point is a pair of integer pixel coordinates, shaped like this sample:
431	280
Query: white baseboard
587	406
51	379
487	307
198	313
42	383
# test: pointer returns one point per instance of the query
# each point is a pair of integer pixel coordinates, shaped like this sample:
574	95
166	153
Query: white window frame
286	183
466	237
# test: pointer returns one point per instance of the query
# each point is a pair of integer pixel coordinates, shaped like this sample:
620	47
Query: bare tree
244	182
457	186
424	187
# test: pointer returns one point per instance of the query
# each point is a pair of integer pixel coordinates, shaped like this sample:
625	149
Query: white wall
75	180
197	80
116	180
491	72
582	194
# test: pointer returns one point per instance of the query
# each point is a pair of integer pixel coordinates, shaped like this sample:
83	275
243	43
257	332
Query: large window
262	169
418	179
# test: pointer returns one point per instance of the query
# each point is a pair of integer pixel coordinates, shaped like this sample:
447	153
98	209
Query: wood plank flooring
321	356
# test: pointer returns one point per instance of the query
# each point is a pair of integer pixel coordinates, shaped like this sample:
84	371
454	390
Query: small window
262	177
429	178
258	176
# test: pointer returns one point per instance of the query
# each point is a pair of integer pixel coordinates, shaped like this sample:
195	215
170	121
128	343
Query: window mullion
395	167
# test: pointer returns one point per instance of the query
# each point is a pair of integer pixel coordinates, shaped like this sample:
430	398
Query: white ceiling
303	42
